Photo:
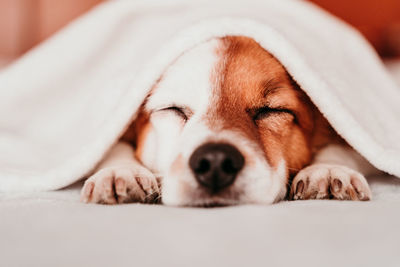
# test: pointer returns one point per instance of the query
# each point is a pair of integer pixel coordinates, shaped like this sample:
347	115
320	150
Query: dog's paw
325	181
121	185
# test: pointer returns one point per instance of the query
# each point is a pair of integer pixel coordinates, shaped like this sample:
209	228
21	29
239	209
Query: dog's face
225	125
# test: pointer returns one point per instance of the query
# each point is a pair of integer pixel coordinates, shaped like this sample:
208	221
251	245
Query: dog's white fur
186	83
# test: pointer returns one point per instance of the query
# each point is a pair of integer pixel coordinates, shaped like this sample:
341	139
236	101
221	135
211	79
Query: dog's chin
212	204
207	203
204	198
186	196
200	197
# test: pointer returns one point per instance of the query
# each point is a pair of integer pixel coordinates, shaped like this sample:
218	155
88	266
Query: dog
225	125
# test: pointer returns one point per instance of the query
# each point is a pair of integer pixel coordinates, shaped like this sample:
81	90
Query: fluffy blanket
64	104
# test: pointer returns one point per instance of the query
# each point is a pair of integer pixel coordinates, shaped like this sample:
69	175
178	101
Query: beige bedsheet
54	229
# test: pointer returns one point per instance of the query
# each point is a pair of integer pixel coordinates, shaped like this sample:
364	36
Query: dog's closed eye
265	112
182	112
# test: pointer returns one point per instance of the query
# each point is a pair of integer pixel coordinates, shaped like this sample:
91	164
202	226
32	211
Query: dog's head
224	125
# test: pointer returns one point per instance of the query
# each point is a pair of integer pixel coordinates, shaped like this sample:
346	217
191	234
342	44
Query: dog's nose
216	165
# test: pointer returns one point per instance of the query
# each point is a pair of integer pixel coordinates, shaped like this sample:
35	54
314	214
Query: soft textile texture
64	104
54	229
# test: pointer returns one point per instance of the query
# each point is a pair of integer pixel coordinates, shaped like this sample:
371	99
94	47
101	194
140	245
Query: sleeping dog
226	125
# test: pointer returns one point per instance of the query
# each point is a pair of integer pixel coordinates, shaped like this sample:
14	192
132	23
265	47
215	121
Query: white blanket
64	104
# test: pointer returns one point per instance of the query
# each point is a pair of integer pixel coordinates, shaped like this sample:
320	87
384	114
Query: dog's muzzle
216	165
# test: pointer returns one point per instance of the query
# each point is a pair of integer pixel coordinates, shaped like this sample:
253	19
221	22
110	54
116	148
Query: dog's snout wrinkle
216	165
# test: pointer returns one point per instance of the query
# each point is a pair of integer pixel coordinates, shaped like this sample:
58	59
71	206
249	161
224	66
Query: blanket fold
64	104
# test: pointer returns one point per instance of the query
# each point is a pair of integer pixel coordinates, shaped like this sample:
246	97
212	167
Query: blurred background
26	23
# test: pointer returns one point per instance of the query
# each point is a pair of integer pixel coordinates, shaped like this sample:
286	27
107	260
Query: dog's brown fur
246	79
249	102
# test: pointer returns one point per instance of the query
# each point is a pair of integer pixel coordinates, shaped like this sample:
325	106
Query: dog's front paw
326	181
121	185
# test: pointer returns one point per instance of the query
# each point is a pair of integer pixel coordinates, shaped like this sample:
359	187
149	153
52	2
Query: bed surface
54	229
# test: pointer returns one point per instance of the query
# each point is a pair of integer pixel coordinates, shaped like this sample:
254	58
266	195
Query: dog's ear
134	131
322	131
